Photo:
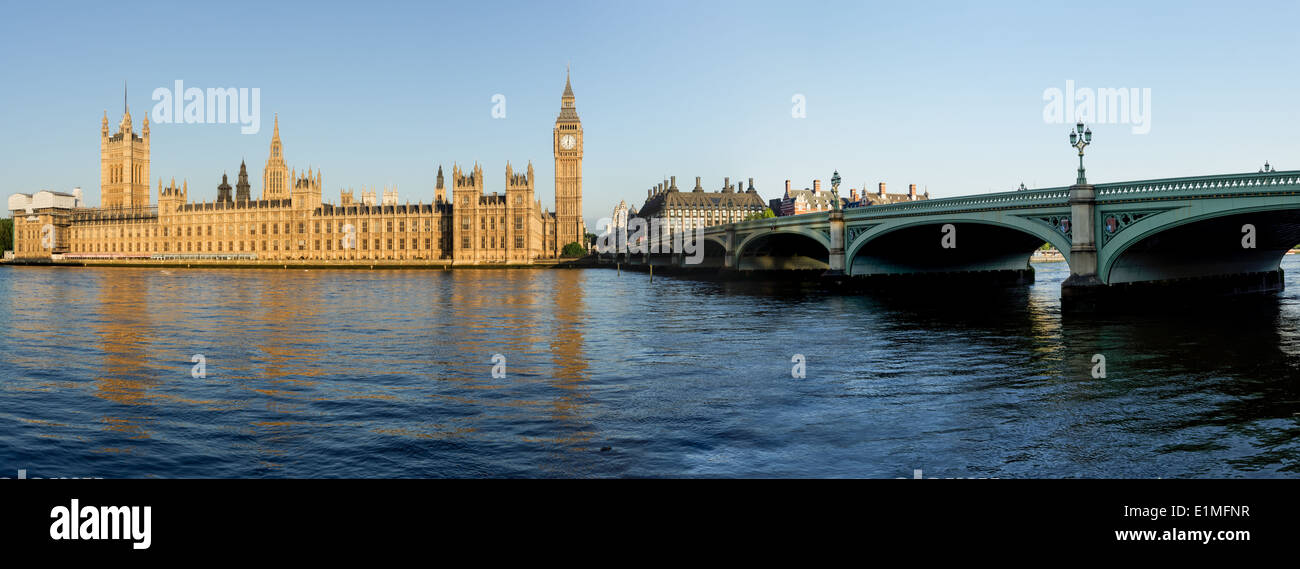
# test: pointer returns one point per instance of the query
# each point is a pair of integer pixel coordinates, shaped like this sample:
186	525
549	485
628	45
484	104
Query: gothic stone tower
275	178
124	164
223	191
241	188
521	234
307	189
568	172
466	190
440	191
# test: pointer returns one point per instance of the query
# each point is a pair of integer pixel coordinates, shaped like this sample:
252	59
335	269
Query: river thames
343	373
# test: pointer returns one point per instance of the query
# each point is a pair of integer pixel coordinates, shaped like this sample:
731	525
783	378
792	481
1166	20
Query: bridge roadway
1208	234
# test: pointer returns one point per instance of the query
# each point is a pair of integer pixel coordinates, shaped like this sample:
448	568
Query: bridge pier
836	257
729	256
1083	243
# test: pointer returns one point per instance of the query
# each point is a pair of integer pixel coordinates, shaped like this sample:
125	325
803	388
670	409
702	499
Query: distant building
619	219
881	197
796	202
698	208
33	218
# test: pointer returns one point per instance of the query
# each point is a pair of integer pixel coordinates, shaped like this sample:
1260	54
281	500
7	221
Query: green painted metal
1191	212
816	231
1141	208
1013	220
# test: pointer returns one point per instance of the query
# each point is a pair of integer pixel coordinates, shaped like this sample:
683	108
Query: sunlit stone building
678	210
290	220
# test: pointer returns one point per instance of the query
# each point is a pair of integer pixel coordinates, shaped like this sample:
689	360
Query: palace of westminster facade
291	222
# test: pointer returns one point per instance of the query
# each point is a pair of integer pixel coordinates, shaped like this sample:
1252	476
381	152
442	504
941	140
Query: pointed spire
568	87
277	126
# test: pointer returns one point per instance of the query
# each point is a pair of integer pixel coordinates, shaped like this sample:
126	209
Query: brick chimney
882	189
911	191
853	194
817	186
787	188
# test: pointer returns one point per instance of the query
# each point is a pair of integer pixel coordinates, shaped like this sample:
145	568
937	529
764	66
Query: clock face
567	141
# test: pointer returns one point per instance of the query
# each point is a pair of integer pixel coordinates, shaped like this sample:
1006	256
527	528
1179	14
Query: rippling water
389	373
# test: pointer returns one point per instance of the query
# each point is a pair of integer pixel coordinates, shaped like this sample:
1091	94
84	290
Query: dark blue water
389	374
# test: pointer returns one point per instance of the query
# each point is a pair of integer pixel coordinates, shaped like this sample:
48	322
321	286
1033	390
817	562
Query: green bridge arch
1032	227
815	233
1193	212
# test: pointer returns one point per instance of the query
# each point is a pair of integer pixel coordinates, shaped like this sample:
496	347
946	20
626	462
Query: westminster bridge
1225	233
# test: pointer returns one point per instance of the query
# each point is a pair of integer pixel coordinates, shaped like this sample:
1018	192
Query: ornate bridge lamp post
1079	138
1083	282
835	191
835	220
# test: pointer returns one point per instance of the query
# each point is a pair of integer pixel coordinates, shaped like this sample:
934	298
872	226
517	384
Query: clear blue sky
947	95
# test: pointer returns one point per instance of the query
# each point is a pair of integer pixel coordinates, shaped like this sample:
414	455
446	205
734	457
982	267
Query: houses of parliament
290	220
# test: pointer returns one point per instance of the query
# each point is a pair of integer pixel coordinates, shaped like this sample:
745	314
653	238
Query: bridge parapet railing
1230	183
1026	198
1234	183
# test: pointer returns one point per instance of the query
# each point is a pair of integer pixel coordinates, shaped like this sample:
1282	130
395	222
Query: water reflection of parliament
295	370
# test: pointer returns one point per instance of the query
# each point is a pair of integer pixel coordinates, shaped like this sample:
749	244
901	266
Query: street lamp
835	191
1079	138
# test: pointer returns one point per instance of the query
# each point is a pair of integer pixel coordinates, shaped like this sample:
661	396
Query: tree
574	249
6	234
591	238
765	214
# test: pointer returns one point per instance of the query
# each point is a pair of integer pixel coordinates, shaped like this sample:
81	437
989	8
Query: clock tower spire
567	141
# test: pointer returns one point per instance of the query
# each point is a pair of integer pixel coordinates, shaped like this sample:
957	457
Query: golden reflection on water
280	344
123	330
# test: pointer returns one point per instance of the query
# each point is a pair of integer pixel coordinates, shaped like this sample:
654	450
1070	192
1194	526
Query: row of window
252	229
273	245
491	242
491	223
117	174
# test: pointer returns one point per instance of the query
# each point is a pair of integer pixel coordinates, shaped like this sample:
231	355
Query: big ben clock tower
569	226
